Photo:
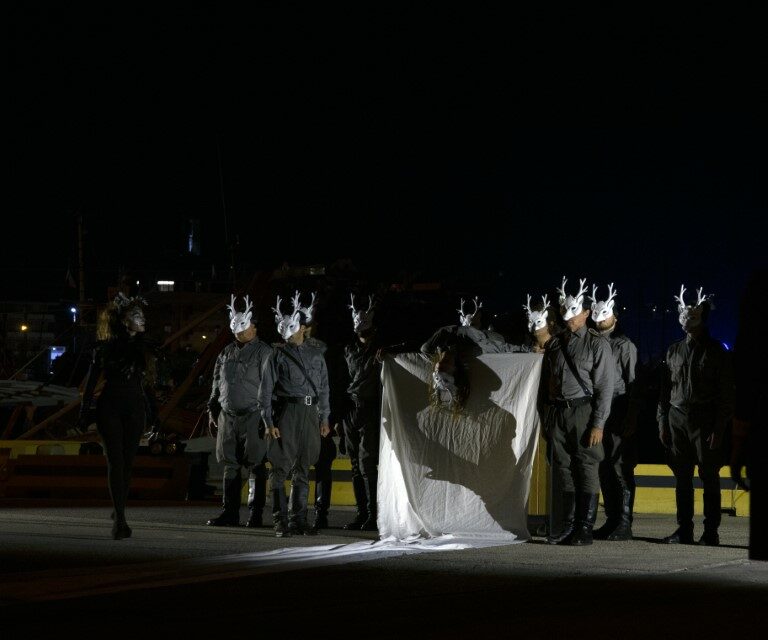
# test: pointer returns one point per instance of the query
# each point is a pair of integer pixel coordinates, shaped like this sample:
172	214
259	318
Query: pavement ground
60	570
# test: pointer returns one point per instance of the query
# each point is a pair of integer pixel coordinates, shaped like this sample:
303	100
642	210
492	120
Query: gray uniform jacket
316	344
625	356
697	372
593	360
237	377
283	378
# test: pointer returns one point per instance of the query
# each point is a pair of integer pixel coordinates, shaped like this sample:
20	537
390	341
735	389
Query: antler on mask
466	319
602	310
239	320
361	320
309	311
288	325
572	305
691	316
537	319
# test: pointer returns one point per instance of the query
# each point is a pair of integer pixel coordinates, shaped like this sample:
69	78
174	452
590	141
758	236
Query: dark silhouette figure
126	404
750	427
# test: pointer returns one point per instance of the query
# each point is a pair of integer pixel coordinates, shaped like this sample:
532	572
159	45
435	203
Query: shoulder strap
301	367
572	367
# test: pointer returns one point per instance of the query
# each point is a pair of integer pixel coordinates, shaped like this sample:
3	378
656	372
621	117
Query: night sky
618	147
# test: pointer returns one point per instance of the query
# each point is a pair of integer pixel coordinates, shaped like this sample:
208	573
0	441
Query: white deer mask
603	309
536	319
239	321
690	315
288	325
466	319
361	320
571	306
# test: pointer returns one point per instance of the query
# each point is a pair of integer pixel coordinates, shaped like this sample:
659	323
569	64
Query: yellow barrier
341	491
656	491
43	447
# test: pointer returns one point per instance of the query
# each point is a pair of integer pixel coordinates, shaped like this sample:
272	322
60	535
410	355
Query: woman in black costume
126	404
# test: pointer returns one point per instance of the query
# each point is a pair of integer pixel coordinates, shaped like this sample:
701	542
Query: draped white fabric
467	474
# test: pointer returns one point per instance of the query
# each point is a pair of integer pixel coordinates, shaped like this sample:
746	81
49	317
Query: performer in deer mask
295	407
578	374
617	470
695	408
235	411
324	464
362	422
126	404
539	323
451	347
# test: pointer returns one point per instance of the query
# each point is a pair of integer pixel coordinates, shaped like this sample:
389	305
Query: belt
307	400
241	413
573	402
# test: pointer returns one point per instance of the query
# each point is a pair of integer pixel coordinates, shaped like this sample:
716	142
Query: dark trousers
689	431
617	469
240	443
576	463
361	432
324	475
297	449
121	420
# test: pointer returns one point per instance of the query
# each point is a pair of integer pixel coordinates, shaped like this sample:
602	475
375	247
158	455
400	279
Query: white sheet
467	475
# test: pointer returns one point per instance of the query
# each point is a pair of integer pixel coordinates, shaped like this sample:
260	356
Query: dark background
502	150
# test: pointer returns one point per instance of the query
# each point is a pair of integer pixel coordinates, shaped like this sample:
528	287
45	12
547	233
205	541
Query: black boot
321	521
257	497
568	499
611	500
684	502
586	512
357	522
682	535
623	530
358	486
255	519
297	514
230	514
710	538
280	511
323	488
370	483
